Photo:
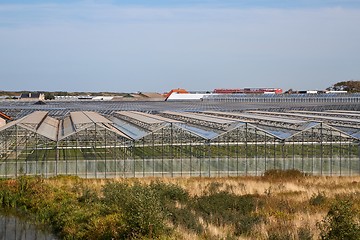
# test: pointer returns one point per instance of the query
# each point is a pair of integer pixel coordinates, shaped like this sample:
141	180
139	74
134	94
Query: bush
141	207
222	208
277	174
169	192
110	226
186	218
317	199
341	222
246	223
87	195
179	214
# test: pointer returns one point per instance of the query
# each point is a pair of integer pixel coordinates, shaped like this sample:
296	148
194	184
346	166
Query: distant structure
181	94
176	91
139	96
248	90
314	92
37	96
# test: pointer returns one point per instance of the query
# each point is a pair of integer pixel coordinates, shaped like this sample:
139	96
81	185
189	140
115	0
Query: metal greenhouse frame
178	143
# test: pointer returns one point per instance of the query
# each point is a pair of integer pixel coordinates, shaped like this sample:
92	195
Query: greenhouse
180	143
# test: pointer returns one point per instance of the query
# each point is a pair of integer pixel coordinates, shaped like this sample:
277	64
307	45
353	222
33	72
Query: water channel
14	228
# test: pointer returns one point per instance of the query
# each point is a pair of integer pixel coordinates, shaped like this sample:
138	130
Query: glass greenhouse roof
203	125
280	134
128	129
200	132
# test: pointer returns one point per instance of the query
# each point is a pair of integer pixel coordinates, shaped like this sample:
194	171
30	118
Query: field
278	205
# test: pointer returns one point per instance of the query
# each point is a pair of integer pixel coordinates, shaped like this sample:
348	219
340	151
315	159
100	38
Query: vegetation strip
278	205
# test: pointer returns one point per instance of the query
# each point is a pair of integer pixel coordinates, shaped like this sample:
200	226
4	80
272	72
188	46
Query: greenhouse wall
171	151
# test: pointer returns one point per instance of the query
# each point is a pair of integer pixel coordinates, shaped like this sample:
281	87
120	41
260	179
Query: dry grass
181	233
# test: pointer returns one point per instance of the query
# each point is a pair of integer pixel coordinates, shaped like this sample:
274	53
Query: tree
350	86
49	96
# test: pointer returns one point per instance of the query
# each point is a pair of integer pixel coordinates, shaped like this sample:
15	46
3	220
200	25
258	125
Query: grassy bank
279	205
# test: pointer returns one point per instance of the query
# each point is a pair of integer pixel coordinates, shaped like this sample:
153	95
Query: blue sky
191	3
130	46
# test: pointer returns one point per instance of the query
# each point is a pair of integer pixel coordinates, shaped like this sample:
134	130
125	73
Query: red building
248	90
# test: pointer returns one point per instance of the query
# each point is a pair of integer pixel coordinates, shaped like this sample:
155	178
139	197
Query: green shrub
8	199
341	222
222	208
110	226
88	195
245	224
185	218
317	199
169	192
141	207
179	214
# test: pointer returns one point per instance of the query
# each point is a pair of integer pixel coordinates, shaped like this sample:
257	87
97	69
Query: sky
158	45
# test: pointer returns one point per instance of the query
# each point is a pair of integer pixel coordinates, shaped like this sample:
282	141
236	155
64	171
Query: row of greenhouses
173	144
